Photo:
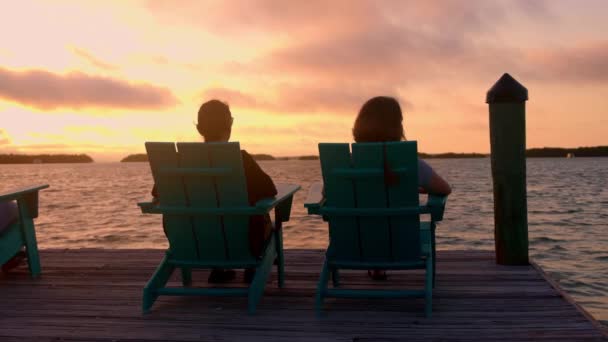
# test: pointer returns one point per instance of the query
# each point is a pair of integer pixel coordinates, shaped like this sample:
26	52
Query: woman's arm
154	192
438	185
430	182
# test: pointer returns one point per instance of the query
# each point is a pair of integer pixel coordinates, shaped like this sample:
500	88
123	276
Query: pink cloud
276	17
265	16
232	97
339	98
393	43
47	91
586	62
369	42
93	60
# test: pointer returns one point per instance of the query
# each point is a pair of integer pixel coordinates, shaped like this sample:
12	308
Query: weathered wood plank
94	295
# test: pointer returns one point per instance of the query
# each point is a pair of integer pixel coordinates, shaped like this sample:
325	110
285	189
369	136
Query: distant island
139	157
595	151
263	157
308	158
452	155
544	152
44	158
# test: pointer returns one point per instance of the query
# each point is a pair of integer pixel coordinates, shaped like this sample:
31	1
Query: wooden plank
232	192
171	191
340	193
554	284
375	234
405	229
475	299
201	193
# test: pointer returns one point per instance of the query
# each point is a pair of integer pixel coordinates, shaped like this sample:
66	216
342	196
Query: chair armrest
315	198
284	192
281	202
147	205
435	205
14	194
27	199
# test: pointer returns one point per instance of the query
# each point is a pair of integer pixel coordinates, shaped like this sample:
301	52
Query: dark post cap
507	89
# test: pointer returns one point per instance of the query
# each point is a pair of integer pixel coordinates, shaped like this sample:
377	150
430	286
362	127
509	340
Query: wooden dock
95	295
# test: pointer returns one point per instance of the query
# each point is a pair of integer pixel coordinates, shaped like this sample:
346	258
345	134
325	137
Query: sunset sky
103	77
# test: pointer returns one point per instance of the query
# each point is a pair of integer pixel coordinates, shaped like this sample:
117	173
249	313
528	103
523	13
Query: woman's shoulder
425	172
422	163
424	167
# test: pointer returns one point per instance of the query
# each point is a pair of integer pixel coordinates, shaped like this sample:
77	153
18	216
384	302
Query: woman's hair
214	120
380	119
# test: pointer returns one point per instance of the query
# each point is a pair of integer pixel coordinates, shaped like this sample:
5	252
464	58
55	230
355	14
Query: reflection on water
94	205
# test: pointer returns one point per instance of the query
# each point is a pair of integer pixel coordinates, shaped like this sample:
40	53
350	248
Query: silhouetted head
380	119
214	121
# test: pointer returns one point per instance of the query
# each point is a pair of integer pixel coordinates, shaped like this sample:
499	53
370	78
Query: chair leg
321	288
280	257
31	247
335	277
434	252
428	288
159	280
186	276
262	272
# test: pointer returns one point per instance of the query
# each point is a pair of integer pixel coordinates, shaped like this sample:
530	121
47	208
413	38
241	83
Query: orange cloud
47	91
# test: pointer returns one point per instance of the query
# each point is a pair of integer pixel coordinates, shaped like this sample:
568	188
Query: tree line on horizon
595	151
543	152
44	158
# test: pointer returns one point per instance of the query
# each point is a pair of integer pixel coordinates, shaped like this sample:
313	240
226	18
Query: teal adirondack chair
371	202
22	233
204	203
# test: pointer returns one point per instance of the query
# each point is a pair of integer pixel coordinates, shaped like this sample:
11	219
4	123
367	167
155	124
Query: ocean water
94	205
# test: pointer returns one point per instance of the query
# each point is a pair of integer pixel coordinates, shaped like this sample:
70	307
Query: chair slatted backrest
359	181
210	238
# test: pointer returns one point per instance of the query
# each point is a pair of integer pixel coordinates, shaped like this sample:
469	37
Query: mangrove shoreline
544	152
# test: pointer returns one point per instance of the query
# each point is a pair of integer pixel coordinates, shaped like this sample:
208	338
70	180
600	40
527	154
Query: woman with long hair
380	120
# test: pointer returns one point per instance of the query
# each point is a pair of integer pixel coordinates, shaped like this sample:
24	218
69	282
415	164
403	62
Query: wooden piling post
507	102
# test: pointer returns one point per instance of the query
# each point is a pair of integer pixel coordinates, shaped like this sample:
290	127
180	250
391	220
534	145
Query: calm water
94	205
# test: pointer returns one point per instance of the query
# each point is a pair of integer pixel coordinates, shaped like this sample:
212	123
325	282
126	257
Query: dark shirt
259	186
